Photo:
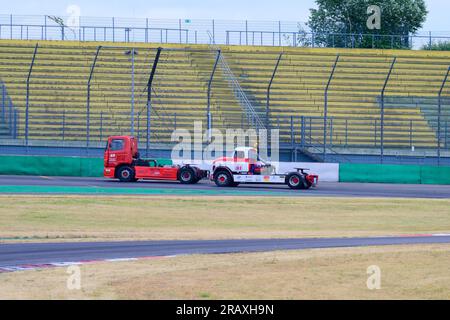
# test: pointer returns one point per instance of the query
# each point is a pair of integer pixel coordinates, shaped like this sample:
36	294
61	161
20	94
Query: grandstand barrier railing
93	33
331	40
68	129
307	132
188	31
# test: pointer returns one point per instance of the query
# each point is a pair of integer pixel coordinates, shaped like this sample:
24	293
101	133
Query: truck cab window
116	145
239	154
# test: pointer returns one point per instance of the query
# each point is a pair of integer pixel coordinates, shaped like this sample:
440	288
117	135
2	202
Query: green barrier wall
408	174
55	166
435	175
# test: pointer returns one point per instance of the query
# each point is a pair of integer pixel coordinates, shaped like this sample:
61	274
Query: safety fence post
88	99
149	98
292	132
44	33
101	125
268	91
11	115
410	133
302	132
27	105
382	109
132	115
325	109
175	121
446	135
208	106
146	30
113	30
213	32
16	120
346	133
331	132
310	131
3	102
375	133
63	125
139	124
10	26
439	115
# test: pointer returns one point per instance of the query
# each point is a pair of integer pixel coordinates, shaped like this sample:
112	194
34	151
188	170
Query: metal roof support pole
88	98
149	98
382	110
325	109
27	107
439	115
208	106
268	91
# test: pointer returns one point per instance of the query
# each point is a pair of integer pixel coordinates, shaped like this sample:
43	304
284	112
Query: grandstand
58	92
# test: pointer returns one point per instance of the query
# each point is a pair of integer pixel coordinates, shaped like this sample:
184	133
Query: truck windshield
116	145
252	155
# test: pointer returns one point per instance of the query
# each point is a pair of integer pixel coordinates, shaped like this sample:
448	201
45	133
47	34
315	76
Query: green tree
399	19
439	46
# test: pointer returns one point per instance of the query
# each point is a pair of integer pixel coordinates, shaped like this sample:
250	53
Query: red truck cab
120	150
122	161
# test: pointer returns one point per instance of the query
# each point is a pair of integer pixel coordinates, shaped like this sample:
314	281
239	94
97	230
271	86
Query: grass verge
407	272
162	217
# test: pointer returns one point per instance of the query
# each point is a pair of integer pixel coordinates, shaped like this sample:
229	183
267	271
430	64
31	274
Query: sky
284	10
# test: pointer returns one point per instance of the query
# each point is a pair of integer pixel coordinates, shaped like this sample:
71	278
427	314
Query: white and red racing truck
244	166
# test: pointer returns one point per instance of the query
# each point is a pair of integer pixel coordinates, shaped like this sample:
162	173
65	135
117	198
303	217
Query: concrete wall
53	166
328	172
406	174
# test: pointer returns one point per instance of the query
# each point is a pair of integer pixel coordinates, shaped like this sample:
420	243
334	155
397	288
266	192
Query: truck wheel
187	176
126	174
223	179
296	181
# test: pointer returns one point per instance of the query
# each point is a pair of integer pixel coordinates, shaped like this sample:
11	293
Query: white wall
328	172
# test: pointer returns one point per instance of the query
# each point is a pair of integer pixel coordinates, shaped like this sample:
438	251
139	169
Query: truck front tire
126	174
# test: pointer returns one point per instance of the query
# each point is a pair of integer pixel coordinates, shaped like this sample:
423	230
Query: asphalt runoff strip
33	255
98	186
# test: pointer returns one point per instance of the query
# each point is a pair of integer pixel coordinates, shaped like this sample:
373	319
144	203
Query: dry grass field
73	218
407	272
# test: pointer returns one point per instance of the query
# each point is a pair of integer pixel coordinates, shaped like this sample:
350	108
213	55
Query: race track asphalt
32	254
35	184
